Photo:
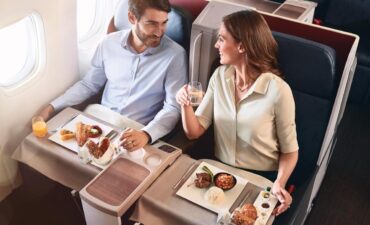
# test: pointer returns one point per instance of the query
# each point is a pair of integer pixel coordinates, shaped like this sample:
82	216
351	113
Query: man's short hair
137	7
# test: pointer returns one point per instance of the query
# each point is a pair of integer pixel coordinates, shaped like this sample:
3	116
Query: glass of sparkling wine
195	93
39	127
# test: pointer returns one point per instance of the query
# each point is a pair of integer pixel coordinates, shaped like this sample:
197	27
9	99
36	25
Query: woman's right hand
182	96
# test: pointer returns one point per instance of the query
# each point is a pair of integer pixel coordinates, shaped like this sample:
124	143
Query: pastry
82	133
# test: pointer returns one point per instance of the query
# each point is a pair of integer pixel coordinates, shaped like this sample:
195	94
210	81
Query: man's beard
148	40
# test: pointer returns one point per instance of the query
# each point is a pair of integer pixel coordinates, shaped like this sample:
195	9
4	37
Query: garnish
207	170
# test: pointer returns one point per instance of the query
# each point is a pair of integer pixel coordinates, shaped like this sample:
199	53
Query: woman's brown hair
251	30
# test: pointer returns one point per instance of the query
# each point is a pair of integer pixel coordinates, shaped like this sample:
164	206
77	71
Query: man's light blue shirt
141	86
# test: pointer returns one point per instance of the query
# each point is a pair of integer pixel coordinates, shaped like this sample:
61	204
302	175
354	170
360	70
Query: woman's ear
131	18
241	48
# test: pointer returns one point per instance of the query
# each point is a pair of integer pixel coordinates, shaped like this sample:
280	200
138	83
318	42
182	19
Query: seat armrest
198	149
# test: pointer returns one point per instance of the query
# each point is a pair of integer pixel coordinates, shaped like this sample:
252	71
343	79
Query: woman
251	107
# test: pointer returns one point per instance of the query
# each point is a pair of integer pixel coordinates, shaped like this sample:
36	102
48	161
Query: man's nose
160	30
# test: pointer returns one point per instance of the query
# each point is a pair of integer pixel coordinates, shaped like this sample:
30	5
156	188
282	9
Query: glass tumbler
195	93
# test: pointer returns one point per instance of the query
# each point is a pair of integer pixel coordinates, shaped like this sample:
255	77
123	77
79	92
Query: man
141	69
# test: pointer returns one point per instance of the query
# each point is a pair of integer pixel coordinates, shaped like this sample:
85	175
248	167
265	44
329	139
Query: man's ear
131	18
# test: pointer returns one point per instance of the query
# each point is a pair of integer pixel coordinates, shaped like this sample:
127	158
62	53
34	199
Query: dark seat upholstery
310	70
178	26
352	16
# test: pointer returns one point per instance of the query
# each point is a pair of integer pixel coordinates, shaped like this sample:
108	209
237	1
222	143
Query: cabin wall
19	103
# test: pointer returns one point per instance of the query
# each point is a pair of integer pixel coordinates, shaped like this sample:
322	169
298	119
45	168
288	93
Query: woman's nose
216	45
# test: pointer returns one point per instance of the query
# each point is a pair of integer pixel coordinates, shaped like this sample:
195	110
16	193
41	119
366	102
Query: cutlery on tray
61	126
185	175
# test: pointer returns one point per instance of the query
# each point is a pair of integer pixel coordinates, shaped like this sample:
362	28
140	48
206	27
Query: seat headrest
308	66
121	16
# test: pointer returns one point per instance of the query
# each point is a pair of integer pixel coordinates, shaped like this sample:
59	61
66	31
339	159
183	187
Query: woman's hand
182	96
283	196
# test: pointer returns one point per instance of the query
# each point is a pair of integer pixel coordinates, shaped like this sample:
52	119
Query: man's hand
132	139
47	112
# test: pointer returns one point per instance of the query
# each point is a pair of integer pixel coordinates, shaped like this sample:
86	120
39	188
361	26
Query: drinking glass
84	155
39	127
195	93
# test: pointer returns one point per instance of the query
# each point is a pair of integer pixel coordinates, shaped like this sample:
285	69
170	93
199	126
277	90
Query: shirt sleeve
90	85
166	119
285	120
204	111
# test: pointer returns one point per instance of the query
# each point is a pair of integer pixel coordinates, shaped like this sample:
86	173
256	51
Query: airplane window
20	53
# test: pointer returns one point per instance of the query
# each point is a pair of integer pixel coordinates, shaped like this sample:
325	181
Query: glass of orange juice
39	127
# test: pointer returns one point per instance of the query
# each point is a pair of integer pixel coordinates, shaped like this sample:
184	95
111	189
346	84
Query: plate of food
78	131
212	188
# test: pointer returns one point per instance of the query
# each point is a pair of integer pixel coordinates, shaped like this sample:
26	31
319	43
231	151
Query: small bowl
224	187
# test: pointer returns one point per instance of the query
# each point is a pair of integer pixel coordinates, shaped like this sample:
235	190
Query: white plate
72	143
197	195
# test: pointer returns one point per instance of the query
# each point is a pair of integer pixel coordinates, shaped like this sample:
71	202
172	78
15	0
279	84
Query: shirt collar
260	85
126	45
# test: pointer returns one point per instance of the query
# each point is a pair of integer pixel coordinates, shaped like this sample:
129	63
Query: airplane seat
310	70
193	6
353	16
178	26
